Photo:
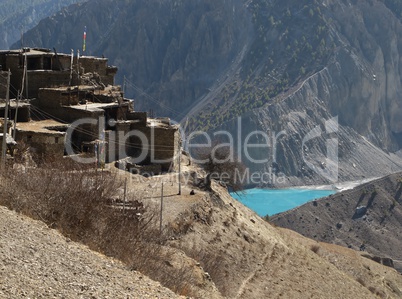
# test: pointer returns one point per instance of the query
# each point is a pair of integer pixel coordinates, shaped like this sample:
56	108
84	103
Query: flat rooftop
48	126
107	91
13	104
97	107
43	52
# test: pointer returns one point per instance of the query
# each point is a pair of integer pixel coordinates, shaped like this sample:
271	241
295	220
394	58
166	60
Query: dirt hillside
366	218
37	262
252	259
219	249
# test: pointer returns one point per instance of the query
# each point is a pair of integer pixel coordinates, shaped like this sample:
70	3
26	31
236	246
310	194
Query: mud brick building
46	68
63	89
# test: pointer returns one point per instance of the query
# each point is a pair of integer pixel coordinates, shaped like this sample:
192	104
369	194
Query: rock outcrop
18	17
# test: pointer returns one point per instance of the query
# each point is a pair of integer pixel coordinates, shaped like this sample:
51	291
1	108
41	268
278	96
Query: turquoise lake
273	201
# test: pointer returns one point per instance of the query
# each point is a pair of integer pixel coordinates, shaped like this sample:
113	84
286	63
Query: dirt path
251	276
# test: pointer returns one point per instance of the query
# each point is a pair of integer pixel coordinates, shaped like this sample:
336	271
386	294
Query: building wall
41	79
99	66
43	145
3	84
53	98
160	145
45	70
23	115
141	117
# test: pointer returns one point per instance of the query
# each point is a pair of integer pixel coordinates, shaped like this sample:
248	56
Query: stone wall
48	70
41	79
43	145
55	98
149	145
24	113
99	66
9	125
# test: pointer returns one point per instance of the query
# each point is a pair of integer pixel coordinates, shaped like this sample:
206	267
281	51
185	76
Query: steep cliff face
172	50
18	17
359	83
280	66
301	141
369	80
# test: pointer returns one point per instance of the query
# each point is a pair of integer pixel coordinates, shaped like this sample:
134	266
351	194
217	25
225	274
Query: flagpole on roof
71	67
84	40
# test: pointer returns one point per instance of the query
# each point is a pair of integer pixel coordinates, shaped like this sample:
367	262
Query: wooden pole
78	74
4	145
179	171
71	67
125	192
160	223
26	76
16	115
22	37
19	94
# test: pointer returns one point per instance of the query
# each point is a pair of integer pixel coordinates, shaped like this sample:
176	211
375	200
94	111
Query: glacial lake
273	201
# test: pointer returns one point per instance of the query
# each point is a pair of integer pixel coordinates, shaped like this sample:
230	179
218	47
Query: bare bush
221	163
78	202
214	264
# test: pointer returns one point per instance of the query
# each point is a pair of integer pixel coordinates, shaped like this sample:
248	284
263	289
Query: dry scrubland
368	217
210	246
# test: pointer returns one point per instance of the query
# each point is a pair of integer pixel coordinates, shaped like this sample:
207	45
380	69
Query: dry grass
78	202
212	263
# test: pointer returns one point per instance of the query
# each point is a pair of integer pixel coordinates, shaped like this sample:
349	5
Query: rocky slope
366	218
18	17
280	65
358	83
38	262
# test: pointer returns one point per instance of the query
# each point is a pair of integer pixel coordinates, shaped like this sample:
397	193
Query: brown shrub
221	163
214	264
78	201
314	248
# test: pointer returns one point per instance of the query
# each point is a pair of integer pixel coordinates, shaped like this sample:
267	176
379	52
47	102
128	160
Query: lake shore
341	186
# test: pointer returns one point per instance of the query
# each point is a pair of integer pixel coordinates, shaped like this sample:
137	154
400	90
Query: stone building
76	108
46	68
46	138
21	109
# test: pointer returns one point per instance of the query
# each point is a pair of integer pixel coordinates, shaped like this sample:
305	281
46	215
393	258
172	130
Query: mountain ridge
208	63
17	18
